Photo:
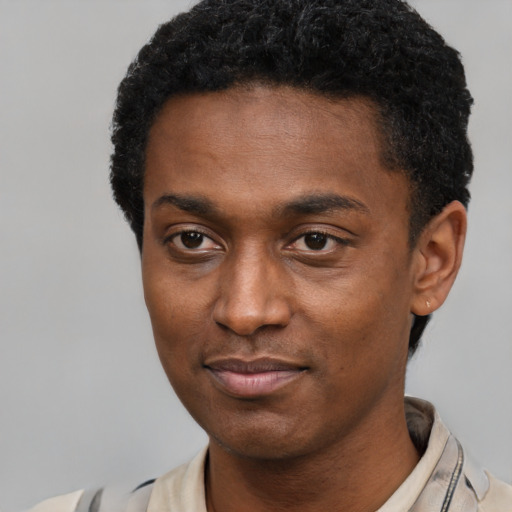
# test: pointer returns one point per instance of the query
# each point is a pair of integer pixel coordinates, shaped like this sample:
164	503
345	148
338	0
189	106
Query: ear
438	256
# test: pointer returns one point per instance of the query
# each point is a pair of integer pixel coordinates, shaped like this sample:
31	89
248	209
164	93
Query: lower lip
253	385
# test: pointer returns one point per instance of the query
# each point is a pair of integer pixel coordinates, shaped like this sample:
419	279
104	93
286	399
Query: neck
358	473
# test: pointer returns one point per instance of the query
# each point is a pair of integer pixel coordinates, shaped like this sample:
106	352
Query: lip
255	378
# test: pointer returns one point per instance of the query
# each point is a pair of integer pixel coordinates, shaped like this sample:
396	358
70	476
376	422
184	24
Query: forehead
268	144
263	113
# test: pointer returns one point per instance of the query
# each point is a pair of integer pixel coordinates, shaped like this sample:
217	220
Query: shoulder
498	497
108	499
182	487
64	503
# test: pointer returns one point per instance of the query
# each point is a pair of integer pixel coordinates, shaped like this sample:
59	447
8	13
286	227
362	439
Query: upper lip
259	365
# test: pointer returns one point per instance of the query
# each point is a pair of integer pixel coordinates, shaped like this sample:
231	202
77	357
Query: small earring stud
428	303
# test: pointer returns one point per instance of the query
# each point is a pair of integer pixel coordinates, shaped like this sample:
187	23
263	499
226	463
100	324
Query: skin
280	284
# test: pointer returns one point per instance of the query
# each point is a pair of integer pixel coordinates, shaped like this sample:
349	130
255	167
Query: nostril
247	322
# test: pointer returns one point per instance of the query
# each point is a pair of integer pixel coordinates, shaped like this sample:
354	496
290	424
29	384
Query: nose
253	294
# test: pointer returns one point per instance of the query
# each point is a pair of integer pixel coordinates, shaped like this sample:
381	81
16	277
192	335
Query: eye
192	240
317	241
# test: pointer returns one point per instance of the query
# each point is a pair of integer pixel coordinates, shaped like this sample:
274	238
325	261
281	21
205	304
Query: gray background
83	399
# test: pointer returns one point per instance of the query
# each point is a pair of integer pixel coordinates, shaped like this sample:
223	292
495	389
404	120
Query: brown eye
316	241
191	239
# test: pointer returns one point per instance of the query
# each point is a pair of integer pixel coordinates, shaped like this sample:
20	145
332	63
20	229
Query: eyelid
339	234
327	235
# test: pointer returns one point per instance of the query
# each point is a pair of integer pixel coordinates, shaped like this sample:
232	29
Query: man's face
276	267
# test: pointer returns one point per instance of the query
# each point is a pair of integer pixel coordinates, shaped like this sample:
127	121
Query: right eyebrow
191	204
321	203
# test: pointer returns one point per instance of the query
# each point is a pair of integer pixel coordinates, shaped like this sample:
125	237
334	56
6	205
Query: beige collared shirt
444	480
182	490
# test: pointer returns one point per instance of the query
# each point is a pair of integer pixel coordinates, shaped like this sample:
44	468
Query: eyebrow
310	204
191	204
322	203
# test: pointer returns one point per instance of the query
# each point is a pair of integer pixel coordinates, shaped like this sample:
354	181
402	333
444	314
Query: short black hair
378	49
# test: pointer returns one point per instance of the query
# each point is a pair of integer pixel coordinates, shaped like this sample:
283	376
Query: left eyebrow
322	203
192	204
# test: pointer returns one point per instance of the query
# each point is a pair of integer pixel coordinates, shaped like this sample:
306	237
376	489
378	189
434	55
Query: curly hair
379	49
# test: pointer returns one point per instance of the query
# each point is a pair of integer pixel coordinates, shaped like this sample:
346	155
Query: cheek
177	313
365	353
171	307
170	298
359	322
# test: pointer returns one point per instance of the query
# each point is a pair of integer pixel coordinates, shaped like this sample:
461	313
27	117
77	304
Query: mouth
255	378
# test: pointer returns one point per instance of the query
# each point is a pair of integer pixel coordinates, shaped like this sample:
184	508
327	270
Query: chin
267	441
271	450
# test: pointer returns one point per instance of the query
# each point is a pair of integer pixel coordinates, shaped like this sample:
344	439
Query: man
295	173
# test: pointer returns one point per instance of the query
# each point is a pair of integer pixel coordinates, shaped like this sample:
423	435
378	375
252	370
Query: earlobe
438	256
